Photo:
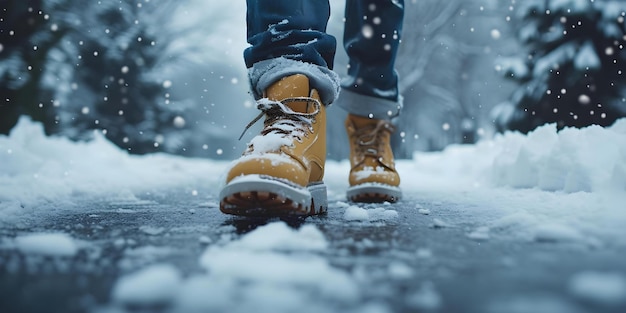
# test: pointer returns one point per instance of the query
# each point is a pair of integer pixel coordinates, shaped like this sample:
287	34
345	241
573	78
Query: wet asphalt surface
470	274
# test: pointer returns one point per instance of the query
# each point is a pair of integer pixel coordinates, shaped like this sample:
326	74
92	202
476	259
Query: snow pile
599	287
36	170
271	269
591	159
275	268
156	284
45	244
547	186
279	236
426	298
356	213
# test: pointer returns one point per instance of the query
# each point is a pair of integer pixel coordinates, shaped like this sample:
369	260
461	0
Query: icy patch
156	284
149	251
535	304
599	287
49	244
356	213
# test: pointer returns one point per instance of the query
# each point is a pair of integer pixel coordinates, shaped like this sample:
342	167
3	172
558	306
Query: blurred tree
445	63
79	66
117	49
573	73
25	41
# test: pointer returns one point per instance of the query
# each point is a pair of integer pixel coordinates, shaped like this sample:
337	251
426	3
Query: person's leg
290	71
371	40
371	97
289	37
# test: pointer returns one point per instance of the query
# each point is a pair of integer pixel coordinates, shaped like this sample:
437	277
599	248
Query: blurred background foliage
168	76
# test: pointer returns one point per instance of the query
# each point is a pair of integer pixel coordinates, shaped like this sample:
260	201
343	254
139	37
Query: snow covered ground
565	187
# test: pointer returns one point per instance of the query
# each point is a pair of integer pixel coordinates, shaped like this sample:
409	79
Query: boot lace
281	119
367	139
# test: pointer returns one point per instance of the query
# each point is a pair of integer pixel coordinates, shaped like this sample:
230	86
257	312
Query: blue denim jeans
289	37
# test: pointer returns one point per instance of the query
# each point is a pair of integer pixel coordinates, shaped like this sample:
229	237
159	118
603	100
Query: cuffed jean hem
265	73
367	106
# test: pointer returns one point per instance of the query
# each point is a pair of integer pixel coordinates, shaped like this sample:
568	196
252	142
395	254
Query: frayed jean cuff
368	106
265	73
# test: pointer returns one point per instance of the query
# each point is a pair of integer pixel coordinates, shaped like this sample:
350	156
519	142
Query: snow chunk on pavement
276	260
480	233
279	236
400	270
599	287
50	244
438	223
553	232
156	284
426	298
356	213
284	271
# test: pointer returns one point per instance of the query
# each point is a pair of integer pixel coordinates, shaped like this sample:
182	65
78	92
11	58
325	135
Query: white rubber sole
261	195
373	193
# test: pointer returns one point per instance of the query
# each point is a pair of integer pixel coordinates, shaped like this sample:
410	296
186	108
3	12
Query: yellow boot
373	177
281	172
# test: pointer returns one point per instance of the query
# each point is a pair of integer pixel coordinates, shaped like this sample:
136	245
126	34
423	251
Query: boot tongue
361	121
290	87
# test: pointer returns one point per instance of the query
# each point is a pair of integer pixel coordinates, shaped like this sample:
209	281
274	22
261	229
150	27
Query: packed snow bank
591	159
36	170
356	213
547	186
45	244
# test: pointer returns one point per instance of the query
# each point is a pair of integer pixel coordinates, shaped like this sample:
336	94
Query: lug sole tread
264	204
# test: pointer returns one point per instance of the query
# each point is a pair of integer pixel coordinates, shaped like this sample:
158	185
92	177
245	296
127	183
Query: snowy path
517	224
431	256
